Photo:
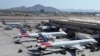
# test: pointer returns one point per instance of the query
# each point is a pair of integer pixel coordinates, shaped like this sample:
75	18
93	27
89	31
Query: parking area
9	48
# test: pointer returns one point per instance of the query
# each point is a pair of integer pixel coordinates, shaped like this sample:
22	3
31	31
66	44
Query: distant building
97	14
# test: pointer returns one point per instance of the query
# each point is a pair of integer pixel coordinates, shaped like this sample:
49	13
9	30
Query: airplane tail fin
3	22
43	41
42	38
23	32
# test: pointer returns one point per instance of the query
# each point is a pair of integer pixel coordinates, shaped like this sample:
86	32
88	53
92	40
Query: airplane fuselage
70	43
46	34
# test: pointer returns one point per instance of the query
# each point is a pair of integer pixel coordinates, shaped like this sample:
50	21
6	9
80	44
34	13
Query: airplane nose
96	41
65	33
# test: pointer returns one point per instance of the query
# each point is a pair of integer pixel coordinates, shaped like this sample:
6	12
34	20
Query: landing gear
41	54
81	52
63	52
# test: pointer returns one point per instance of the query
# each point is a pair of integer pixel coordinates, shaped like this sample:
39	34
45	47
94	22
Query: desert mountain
35	8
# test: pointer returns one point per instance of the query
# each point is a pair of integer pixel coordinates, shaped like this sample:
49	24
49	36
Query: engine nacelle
37	45
42	48
62	47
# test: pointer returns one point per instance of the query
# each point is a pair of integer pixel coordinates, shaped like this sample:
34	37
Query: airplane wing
78	46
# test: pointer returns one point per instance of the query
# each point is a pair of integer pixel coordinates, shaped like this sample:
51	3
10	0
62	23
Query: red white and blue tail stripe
23	32
44	41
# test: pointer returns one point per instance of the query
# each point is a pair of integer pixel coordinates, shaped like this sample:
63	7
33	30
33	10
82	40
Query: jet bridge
91	28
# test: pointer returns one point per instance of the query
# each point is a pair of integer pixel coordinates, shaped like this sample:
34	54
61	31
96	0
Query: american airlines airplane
12	24
27	23
74	44
47	34
16	24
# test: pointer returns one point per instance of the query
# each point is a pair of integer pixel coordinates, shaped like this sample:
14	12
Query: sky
59	4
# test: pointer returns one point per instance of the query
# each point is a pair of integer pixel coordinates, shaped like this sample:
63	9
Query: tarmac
9	48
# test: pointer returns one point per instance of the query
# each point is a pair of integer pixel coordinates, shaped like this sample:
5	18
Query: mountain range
80	10
37	7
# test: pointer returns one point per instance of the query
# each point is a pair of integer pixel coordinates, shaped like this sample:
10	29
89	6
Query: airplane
33	35
43	44
12	24
27	23
17	24
46	27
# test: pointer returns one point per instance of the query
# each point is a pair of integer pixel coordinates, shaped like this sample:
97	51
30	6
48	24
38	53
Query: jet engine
41	48
63	52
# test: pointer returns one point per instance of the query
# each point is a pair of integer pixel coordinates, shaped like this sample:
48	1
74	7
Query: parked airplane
15	24
27	23
75	44
47	27
48	34
12	24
